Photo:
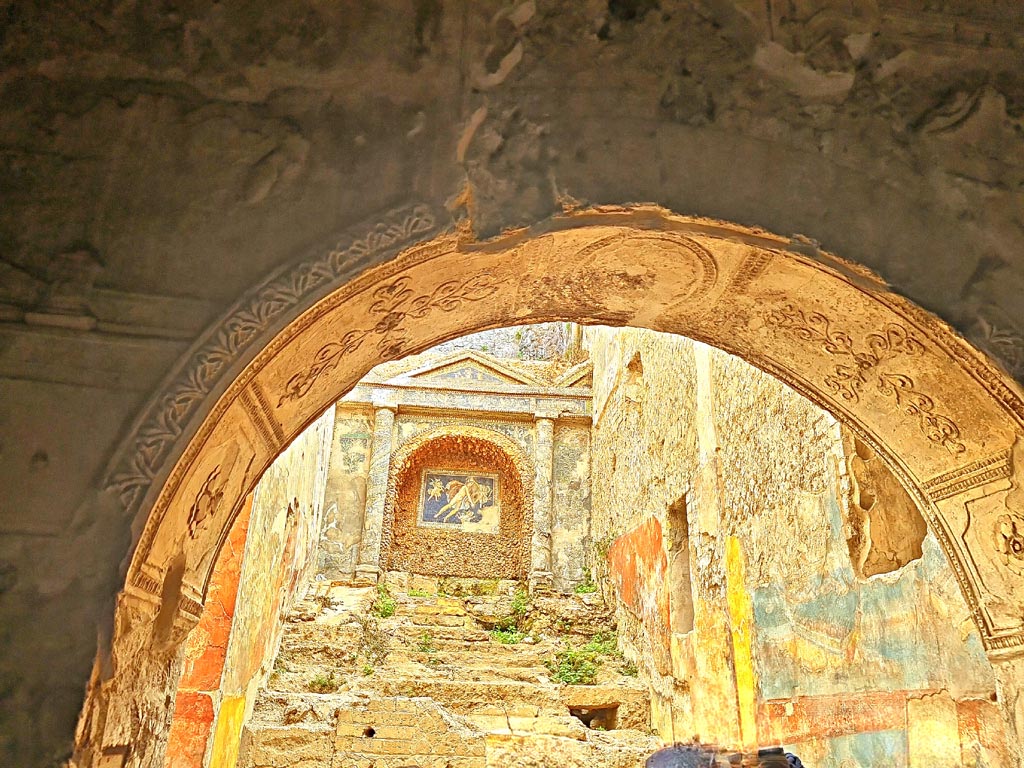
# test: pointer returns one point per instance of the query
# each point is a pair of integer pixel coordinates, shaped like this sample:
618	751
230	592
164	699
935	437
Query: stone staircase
412	675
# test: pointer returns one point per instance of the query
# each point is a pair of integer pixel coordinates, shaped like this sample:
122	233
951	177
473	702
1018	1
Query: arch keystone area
948	422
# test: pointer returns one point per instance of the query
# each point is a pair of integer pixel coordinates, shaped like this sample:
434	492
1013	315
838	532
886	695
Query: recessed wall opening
678	551
487	543
603	718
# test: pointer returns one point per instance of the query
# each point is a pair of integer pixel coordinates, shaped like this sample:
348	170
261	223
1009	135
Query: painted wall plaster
265	565
832	664
345	498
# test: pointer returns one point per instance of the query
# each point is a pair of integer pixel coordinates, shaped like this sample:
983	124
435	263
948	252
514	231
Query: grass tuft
323	683
385	605
508	635
579	666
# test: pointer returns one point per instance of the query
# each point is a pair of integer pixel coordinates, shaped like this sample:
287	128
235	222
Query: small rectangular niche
601	718
680	589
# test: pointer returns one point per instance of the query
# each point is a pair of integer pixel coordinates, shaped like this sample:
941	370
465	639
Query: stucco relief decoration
696	269
695	265
394	304
849	379
258	312
207	502
994	540
990	469
1009	541
461	501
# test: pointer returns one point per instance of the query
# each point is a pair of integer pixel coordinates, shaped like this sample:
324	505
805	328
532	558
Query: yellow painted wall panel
933	734
229	733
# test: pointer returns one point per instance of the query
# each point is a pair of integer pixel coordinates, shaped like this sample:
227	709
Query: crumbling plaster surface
884	529
345	496
571	506
901	122
189	152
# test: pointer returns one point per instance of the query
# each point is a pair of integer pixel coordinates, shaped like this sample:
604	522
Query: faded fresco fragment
849	661
638	566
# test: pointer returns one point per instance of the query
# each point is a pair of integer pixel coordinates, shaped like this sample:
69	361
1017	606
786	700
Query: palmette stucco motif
224	345
395	305
848	379
207	502
945	409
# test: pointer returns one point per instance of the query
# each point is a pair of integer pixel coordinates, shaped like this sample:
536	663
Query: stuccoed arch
946	420
420	441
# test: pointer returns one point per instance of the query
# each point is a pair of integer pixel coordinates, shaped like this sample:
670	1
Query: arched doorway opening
945	421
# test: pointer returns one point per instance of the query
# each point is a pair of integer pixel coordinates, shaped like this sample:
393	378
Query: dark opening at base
603	718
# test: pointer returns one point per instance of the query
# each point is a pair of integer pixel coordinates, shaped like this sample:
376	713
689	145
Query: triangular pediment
469	367
580	375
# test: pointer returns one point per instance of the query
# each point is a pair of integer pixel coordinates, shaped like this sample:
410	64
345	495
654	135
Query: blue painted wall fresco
836	633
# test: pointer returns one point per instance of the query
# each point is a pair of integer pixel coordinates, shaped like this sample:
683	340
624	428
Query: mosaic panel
462	501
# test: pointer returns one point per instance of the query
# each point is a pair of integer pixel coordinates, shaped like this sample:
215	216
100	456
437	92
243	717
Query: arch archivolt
946	420
414	445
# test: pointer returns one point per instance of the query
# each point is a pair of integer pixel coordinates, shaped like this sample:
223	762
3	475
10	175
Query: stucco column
368	570
544	461
1010	690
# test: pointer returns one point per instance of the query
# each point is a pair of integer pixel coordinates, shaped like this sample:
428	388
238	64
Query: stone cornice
518	401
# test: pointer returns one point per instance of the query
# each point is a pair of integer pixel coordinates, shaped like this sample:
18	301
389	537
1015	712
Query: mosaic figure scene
463	500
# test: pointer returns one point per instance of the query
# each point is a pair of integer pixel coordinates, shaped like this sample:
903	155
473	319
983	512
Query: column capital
384	404
546	415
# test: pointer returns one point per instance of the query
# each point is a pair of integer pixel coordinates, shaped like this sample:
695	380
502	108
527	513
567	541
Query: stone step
501	690
613	749
472	634
425	670
477	659
309	730
484	656
438	620
467	696
460	635
433	606
466	660
498	720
